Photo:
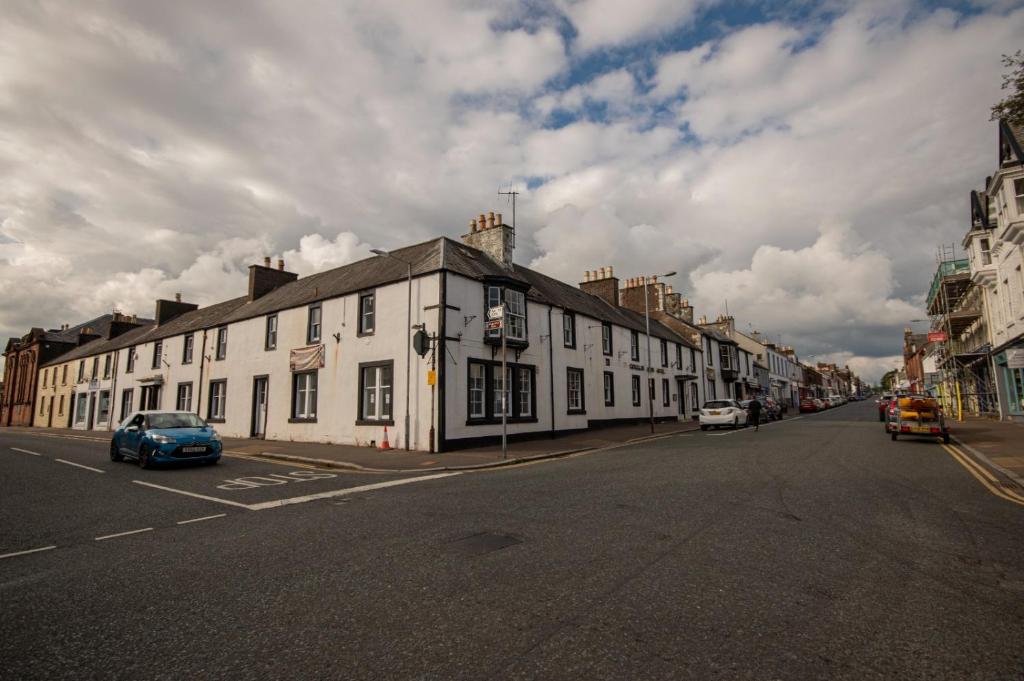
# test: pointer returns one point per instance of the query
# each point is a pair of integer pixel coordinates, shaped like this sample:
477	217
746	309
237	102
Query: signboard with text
936	336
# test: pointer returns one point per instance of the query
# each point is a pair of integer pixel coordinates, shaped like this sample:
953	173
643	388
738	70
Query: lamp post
408	326
650	367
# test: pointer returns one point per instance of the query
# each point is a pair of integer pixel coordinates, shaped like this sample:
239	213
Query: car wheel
703	427
213	462
145	460
115	455
893	435
735	423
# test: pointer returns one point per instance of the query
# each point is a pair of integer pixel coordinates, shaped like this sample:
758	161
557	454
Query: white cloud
602	23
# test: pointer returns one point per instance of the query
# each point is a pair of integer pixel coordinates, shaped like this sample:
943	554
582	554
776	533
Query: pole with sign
504	388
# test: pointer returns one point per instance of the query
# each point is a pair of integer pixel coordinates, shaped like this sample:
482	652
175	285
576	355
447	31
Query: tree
1011	107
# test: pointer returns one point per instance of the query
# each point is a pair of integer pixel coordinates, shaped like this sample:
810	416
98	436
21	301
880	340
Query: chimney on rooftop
166	310
266	261
489	234
603	284
280	265
177	297
264	279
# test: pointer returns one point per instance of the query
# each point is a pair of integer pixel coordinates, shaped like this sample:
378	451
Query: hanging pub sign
936	336
307	358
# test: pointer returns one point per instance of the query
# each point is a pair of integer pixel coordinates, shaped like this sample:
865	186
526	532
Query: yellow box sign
431	377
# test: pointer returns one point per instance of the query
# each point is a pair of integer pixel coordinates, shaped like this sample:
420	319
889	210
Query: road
815	548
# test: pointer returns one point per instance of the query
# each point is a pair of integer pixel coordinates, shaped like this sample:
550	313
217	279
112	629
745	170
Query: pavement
1000	443
816	548
371	459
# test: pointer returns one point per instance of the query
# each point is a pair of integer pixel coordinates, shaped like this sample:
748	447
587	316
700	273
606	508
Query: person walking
755	412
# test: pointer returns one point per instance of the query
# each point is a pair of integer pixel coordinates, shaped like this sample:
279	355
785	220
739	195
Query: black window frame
664	352
81	371
634	345
361	326
106	366
318	326
583	391
666	395
129	362
188	346
294	416
270	335
127	397
636	389
502	286
95	373
572	330
158	354
679	356
607	351
224	401
490	415
608	388
191	396
221	348
360	421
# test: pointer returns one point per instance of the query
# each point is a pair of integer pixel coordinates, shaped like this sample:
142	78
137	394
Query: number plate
193	450
714	413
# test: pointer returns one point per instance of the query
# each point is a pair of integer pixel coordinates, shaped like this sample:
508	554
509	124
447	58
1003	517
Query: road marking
191	494
88	468
996	483
750	428
351	490
25	553
985	478
123	534
25	451
205	517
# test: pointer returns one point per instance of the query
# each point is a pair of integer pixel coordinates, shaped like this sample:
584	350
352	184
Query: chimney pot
481	221
280	264
177	297
490	220
611	271
472	226
497	219
266	261
586	276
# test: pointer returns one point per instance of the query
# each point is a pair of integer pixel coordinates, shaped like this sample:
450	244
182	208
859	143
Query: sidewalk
398	460
1000	442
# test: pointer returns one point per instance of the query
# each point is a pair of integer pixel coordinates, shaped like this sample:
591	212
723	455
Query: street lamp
408	343
650	366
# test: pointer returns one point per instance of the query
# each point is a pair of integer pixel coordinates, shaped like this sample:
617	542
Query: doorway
681	395
259	407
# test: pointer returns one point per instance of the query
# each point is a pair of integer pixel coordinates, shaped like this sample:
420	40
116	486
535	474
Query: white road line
24	553
88	468
25	451
205	517
191	494
123	534
750	428
351	490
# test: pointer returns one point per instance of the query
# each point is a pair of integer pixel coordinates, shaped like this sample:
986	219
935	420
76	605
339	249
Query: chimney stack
266	261
280	264
603	284
263	280
177	297
166	310
488	234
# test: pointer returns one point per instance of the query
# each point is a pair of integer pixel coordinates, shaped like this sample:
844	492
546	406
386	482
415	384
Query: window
477	382
64	375
42	405
574	391
693	359
746	356
665	397
126	403
184	401
726	356
222	342
218	398
81	370
485	391
95	368
664	353
106	366
104	406
986	251
568	330
634	346
1018	190
129	363
515	312
367	307
711	390
606	338
635	380
81	407
270	341
60	406
313	324
679	357
188	348
375	392
708	355
304	396
650	389
46	372
158	352
609	389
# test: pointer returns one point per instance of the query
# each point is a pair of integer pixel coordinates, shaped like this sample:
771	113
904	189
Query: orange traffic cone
385	444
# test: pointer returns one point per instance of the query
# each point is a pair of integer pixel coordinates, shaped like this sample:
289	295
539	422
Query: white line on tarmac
751	428
205	517
191	494
123	534
23	553
25	451
351	490
88	468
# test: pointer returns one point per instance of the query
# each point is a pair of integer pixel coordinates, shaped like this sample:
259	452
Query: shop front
1009	366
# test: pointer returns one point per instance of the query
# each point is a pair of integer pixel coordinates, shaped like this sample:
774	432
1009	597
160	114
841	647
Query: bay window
514	301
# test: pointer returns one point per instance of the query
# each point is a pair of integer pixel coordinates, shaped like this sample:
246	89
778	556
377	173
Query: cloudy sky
798	161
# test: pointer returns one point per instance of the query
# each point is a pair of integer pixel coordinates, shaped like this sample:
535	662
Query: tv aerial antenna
511	194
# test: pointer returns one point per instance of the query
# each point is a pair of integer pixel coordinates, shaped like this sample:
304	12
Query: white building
323	358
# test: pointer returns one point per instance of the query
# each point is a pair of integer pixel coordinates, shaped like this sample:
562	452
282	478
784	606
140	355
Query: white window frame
525	386
477	395
382	393
314	324
568	330
222	343
270	333
636	389
367	313
574	389
515	314
304	394
608	383
218	399
183	398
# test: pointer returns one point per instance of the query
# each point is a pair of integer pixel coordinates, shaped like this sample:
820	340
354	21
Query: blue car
152	437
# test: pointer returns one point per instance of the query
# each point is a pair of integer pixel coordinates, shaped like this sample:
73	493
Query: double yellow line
983	476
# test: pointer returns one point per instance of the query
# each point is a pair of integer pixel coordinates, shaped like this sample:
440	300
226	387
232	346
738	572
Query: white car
836	400
718	413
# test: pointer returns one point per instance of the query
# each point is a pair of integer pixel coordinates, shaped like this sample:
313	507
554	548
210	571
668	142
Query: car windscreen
717	404
183	420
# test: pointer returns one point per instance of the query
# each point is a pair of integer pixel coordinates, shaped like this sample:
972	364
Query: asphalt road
815	548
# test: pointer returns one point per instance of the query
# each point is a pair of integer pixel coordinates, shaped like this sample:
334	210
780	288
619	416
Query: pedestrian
755	412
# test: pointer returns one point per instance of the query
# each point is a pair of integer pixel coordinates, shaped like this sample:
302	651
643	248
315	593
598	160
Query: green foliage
1011	107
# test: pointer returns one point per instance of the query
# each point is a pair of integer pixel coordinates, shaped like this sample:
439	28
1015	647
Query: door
91	411
150	397
131	436
259	407
681	395
49	418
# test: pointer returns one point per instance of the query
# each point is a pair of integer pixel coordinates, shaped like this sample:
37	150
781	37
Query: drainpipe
551	370
202	363
442	348
113	393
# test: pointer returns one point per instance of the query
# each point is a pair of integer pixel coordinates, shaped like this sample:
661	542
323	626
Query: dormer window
514	301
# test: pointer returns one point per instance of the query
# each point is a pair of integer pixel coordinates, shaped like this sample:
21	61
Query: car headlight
215	436
162	439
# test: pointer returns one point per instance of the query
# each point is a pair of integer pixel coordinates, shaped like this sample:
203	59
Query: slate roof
100	326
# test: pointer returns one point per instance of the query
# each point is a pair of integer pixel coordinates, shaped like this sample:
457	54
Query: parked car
772	407
820	404
762	417
152	437
883	405
826	403
835	400
717	413
807	405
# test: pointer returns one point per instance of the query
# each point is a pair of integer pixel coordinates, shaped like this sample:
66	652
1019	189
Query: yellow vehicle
918	415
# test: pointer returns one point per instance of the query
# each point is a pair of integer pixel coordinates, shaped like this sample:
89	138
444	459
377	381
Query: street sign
496	312
936	336
494	325
421	343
